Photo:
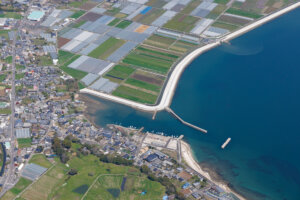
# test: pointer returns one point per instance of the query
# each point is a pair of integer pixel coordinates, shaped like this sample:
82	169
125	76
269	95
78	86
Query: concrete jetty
226	143
154	115
184	122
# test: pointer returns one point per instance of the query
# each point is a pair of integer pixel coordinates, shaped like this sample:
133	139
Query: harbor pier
184	122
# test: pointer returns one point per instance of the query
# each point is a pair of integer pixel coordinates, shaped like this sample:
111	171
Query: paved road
9	177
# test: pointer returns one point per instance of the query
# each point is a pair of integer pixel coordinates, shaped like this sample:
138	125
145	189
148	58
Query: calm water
249	91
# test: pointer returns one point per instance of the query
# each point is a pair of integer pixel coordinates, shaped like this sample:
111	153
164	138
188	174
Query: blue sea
249	91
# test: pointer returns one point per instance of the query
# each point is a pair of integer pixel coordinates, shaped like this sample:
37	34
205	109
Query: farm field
41	160
159	41
123	24
111	187
77	14
182	46
150	16
142	84
63	56
150	59
230	27
135	95
114	22
17	189
243	13
24	142
121	72
181	22
57	184
77	74
107	48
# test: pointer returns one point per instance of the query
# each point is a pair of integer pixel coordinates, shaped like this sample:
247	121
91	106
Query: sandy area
187	156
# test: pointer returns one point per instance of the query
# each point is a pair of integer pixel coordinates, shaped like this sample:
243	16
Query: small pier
154	115
140	130
184	122
226	143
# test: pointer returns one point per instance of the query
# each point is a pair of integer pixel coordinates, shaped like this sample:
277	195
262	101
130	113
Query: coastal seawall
169	90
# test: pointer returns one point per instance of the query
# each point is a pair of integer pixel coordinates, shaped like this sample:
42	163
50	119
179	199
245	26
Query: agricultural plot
182	46
63	56
142	84
123	24
124	187
191	6
158	61
41	160
120	72
114	22
243	13
107	48
149	17
135	95
159	41
153	79
77	74
217	11
77	14
182	22
156	3
24	142
57	184
220	24
17	189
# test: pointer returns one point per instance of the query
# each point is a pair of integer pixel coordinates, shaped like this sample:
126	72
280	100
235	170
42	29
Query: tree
67	143
73	172
64	157
145	169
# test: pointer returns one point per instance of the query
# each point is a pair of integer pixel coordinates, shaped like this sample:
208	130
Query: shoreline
169	90
187	155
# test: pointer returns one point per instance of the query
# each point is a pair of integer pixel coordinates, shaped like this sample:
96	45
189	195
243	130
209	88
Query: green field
135	95
5	111
17	189
106	48
142	84
57	184
191	6
44	61
216	11
121	71
2	77
154	60
19	76
152	15
78	24
77	4
240	12
223	25
159	41
182	46
20	67
63	56
114	22
41	160
4	33
181	22
77	74
77	14
8	59
24	142
221	1
109	187
123	24
14	15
